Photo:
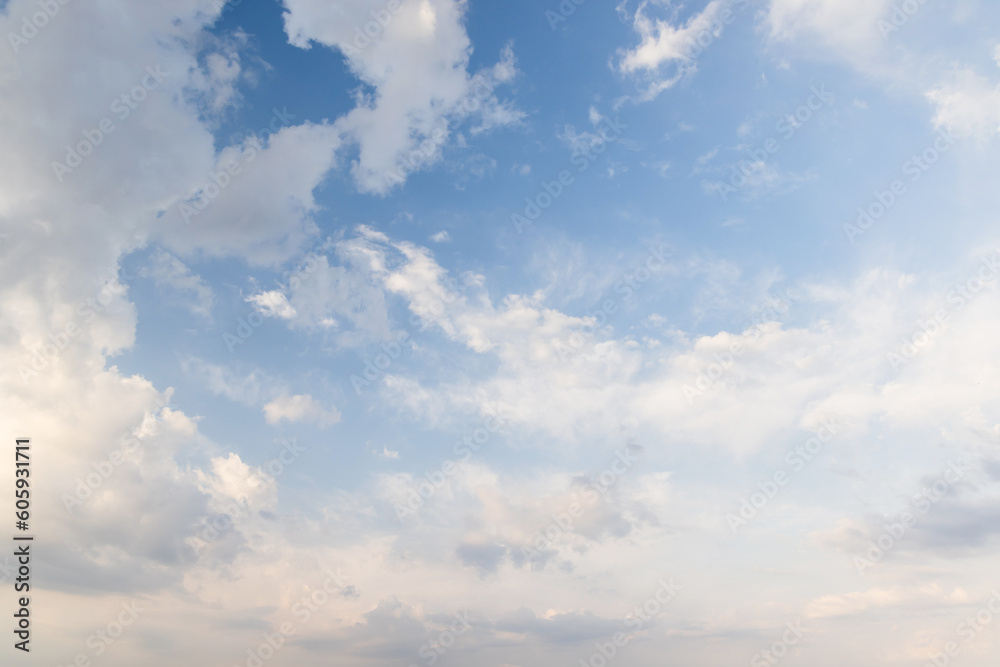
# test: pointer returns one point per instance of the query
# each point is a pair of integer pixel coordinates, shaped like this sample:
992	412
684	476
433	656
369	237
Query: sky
442	332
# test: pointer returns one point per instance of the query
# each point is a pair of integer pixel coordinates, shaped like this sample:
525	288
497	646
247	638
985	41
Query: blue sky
679	307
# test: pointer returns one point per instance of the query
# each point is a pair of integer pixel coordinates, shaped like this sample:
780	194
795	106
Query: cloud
663	42
845	28
415	62
255	199
257	389
558	374
67	230
272	304
857	603
582	143
299	408
216	83
232	479
560	628
347	299
485	557
967	105
111	447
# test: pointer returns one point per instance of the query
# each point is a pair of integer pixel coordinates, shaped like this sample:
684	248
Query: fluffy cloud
110	447
110	455
558	374
254	200
414	54
663	42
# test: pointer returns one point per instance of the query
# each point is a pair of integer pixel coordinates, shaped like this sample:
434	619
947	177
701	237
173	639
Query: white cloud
846	28
272	304
232	479
968	105
546	384
665	43
217	82
300	407
62	247
65	238
257	389
417	65
346	298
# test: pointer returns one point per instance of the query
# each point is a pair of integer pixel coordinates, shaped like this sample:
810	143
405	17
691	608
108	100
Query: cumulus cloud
74	202
111	446
415	58
254	200
555	371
